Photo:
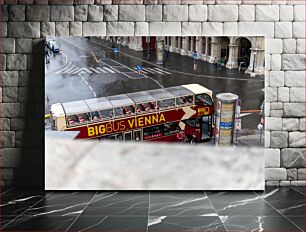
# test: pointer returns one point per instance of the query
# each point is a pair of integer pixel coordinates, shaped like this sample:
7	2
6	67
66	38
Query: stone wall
25	22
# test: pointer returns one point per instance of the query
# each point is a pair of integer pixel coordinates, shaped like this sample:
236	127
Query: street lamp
254	62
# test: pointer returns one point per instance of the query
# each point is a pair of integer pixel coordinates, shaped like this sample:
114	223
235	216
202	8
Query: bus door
128	136
206	127
137	135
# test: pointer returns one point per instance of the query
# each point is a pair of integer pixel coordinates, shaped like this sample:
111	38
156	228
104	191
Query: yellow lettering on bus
131	122
147	120
122	126
154	118
109	128
101	129
162	118
140	121
91	131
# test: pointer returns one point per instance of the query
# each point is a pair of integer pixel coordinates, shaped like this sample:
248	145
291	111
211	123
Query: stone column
206	48
199	45
172	48
232	57
215	50
160	46
184	49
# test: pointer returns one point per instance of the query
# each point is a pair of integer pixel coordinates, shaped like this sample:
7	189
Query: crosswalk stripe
108	69
100	69
158	71
148	70
73	70
63	69
68	70
144	72
162	70
93	69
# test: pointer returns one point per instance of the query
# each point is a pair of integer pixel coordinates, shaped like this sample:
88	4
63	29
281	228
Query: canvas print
190	91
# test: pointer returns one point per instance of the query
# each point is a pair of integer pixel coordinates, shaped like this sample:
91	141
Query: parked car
53	46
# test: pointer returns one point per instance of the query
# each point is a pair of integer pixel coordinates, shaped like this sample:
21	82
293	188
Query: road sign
138	67
116	50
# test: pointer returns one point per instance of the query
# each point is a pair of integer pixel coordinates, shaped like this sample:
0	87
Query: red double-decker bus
153	115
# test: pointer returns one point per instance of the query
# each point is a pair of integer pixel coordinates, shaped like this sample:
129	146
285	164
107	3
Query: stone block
7	45
165	29
148	2
154	13
62	29
284	183
9	94
174	2
270	94
246	13
38	13
95	13
120	29
4	15
212	29
298	30
141	29
267	63
297	94
16	62
293	62
2	62
131	13
289	46
230	29
222	13
197	13
3	29
283	30
194	2
302	125
8	78
271	183
24	29
267	109
299	13
84	2
292	174
11	158
111	12
62	13
293	158
119	2
301	175
24	45
297	139
174	13
283	94
290	124
275	174
75	29
191	29
47	29
277	113
94	29
272	158
279	139
81	12
17	13
300	48
286	13
103	2
297	183
294	109
267	13
11	109
276	105
256	29
274	46
295	78
276	78
267	139
273	123
276	62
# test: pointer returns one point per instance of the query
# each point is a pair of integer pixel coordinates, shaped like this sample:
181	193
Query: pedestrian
47	56
215	62
180	135
219	64
194	139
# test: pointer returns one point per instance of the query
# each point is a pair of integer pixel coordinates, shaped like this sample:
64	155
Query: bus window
186	100
146	107
203	100
118	112
82	118
166	104
95	115
171	128
106	114
71	119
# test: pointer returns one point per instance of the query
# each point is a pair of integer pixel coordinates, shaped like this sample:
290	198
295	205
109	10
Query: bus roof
141	97
197	89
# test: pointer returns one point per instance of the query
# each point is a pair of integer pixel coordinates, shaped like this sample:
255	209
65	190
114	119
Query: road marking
101	69
93	54
72	71
90	87
94	70
86	82
63	69
108	69
68	70
162	71
144	72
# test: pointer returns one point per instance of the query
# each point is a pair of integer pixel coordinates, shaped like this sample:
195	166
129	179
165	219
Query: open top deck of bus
126	105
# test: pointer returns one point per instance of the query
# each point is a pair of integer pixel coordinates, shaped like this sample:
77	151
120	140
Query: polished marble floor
275	210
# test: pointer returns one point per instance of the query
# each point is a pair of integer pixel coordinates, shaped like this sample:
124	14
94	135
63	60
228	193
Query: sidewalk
179	63
251	138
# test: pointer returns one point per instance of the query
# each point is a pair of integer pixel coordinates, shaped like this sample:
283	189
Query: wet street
89	68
